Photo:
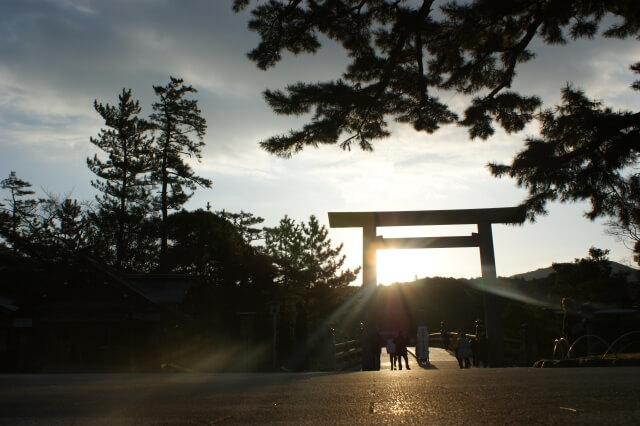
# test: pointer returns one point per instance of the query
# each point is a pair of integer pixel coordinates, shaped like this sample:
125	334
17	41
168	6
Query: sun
405	265
400	265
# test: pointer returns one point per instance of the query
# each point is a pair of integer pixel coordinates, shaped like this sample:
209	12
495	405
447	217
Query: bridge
349	358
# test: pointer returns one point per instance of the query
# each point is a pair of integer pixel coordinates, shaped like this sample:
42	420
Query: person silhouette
401	350
463	349
391	350
444	336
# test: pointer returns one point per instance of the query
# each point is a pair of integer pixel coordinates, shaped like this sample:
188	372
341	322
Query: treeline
137	222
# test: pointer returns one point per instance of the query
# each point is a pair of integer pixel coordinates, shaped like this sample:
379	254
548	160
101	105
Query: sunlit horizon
403	265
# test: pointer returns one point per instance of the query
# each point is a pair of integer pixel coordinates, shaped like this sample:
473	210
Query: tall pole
492	308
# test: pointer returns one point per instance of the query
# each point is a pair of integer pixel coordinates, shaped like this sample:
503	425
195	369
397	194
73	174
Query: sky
58	56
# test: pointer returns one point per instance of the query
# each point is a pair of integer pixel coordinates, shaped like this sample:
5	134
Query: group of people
467	350
397	350
463	351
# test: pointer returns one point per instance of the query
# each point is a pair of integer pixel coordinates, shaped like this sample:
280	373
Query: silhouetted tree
48	230
586	152
123	179
305	258
143	244
64	230
233	276
206	245
628	234
404	53
591	280
244	222
180	131
19	211
324	260
285	244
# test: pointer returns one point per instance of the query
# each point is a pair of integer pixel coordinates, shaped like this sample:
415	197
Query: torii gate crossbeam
483	239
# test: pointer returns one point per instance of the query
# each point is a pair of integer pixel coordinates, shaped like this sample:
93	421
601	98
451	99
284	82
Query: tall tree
19	210
305	258
124	178
180	132
285	244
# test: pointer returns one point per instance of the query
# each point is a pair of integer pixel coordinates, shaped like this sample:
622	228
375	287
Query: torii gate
483	239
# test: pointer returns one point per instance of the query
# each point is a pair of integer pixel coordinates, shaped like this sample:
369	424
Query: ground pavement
439	394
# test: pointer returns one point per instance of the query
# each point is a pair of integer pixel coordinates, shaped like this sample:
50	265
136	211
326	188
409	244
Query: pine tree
180	131
586	151
65	230
19	211
208	246
405	54
285	244
305	258
244	222
124	178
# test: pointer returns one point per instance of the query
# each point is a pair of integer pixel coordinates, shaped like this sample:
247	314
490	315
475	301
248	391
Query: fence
519	352
593	346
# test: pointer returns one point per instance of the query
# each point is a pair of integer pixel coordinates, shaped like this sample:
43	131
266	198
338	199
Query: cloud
599	66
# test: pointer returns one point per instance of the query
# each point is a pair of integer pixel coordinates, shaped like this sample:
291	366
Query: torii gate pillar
369	252
491	303
483	239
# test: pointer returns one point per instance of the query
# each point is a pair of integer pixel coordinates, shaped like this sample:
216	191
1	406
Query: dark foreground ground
440	395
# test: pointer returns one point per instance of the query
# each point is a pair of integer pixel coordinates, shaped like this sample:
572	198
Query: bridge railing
591	345
347	355
516	352
435	339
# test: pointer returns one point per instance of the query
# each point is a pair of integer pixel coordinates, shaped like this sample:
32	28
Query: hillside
544	272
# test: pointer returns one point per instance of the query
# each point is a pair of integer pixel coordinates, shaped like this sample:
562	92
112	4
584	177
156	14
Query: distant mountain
544	272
